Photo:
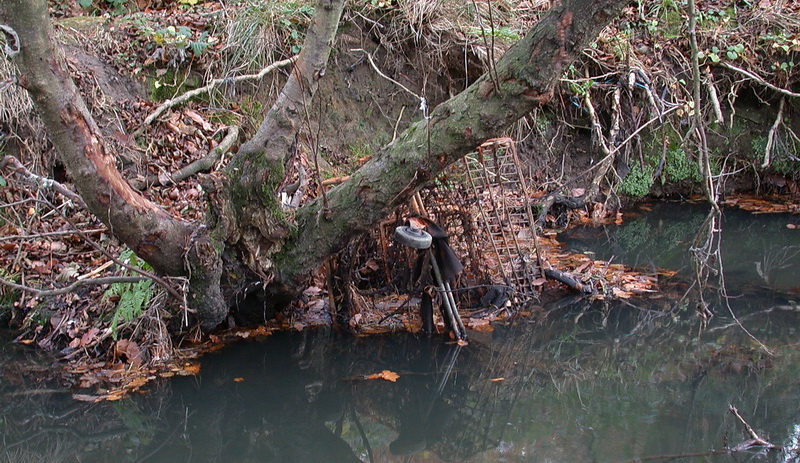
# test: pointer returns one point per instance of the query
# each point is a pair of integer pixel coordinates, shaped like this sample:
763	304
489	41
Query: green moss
7	295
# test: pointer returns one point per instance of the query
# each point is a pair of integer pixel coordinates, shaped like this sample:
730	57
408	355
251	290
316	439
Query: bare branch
761	81
41	182
772	133
72	287
203	164
214	84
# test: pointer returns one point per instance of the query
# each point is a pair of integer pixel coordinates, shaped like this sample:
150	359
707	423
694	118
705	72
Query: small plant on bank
638	181
679	167
133	297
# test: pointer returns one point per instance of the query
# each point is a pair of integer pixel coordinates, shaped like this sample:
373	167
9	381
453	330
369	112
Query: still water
575	382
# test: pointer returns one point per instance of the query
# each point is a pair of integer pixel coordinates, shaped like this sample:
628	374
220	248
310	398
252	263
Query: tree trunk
247	236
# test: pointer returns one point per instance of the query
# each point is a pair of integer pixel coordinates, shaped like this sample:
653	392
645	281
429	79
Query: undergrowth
133	298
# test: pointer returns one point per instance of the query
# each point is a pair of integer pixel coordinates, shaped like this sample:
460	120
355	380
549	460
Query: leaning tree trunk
247	236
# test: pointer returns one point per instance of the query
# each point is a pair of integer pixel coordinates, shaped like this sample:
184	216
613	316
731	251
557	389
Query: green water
575	382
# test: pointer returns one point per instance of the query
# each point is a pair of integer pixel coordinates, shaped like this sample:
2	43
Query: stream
576	381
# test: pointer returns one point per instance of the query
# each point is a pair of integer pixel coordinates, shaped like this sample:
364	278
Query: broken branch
569	281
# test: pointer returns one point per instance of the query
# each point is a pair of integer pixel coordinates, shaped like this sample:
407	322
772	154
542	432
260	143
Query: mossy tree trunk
246	237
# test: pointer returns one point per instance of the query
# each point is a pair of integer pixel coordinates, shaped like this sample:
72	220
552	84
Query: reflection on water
574	383
756	249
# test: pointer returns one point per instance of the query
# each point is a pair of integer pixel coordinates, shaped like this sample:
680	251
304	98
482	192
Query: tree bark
256	223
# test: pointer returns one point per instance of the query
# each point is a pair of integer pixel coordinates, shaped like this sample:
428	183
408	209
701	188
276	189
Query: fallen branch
203	164
41	182
761	81
755	440
214	84
569	281
72	287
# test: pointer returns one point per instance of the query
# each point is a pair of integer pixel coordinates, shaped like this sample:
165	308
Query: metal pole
463	331
445	300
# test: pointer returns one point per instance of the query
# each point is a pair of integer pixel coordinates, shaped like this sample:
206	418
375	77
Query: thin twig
72	287
375	66
48	234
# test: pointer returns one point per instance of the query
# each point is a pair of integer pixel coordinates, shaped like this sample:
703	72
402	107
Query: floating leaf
385	375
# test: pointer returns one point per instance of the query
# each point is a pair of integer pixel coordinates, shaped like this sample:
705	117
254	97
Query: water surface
575	382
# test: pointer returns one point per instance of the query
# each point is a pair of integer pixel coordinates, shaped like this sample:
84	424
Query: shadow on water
576	383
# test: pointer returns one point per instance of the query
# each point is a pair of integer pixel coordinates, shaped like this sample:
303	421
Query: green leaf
3	182
85	4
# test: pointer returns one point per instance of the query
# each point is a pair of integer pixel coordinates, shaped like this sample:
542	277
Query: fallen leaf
130	350
199	119
89	336
385	375
238	380
189	369
497	380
